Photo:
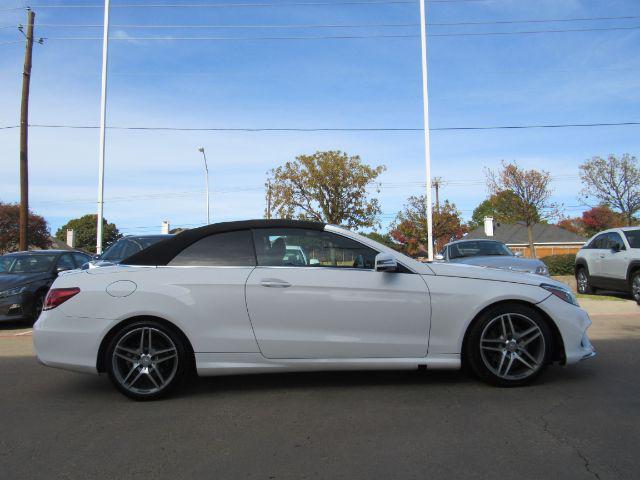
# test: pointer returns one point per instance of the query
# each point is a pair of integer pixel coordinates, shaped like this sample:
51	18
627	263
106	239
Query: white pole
103	118
206	180
427	146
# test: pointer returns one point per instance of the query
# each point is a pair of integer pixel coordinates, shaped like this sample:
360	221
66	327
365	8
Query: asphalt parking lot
580	422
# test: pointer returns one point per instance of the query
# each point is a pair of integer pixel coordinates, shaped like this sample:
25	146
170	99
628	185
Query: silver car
490	253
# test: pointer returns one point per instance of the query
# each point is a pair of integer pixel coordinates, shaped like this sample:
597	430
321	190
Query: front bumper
16	307
573	323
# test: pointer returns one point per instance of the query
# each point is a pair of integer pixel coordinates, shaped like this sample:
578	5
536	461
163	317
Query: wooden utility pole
269	199
436	185
24	133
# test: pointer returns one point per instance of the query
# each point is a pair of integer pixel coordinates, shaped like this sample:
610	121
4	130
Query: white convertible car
229	298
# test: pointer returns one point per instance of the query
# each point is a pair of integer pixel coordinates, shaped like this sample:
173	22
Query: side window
230	249
128	249
80	259
615	240
294	247
599	242
65	262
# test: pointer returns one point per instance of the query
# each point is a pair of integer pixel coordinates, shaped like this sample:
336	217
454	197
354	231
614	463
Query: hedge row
560	264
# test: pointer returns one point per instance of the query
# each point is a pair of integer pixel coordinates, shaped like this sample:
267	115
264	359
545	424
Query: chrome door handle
274	283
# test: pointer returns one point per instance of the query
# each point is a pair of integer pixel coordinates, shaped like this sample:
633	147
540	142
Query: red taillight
57	296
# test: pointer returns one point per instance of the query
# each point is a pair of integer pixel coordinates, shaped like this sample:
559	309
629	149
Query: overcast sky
474	80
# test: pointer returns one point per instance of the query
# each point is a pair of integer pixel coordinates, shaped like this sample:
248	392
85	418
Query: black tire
583	281
156	375
507	355
36	309
635	286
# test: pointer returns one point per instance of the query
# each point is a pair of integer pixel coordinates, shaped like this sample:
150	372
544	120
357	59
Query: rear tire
146	360
635	286
584	282
509	345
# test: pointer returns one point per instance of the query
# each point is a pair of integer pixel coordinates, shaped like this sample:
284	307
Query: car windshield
633	237
478	249
26	263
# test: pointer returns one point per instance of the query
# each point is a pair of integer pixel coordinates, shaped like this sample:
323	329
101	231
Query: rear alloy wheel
584	285
635	287
509	346
146	360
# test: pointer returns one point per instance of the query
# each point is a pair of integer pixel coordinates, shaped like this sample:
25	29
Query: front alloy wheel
635	287
584	286
509	346
146	360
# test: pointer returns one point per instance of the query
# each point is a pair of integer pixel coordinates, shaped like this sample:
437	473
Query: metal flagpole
427	146
103	118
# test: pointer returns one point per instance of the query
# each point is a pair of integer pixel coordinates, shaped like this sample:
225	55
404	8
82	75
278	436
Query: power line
254	5
344	37
354	129
360	25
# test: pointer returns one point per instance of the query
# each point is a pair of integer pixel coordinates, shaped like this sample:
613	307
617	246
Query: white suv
610	260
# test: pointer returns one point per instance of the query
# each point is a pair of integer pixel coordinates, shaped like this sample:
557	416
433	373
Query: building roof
164	251
516	234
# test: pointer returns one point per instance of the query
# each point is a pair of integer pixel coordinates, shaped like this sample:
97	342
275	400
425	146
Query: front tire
635	286
146	360
509	345
584	282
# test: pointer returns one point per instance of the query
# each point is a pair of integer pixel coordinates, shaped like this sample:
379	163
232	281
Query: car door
614	259
595	254
335	306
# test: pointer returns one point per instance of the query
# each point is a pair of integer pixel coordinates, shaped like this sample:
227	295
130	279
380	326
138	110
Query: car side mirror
439	257
385	262
615	248
517	254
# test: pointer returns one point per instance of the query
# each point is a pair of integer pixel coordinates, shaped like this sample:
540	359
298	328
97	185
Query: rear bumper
70	343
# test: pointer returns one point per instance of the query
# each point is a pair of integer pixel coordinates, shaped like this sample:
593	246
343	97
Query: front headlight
562	293
13	291
542	270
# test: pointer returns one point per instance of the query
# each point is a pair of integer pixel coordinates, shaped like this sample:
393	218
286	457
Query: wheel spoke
513	330
524	351
156	370
506	372
124	357
128	350
133	369
504	328
522	360
135	379
142	340
153	380
164	359
150	347
531	338
160	352
492	349
504	355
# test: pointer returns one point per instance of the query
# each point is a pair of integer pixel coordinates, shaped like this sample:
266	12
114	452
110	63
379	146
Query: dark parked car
25	278
125	247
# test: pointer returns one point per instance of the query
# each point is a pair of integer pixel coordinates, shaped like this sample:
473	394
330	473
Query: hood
10	280
490	273
502	261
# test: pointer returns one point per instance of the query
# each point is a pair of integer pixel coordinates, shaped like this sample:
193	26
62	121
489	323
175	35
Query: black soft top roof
164	251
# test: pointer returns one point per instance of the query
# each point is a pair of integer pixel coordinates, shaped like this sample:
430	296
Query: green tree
86	236
615	182
532	190
410	226
38	235
503	206
325	187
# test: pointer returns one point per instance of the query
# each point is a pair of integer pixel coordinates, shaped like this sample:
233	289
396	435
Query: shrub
560	264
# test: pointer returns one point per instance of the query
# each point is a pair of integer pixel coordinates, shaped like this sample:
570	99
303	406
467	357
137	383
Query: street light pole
427	146
206	179
103	119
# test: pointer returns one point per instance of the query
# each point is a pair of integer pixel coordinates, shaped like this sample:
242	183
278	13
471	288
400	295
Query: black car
123	248
25	278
